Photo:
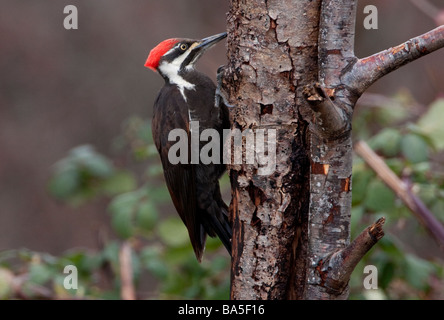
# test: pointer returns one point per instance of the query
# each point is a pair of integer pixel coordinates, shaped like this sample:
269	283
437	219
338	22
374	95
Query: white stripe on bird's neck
171	71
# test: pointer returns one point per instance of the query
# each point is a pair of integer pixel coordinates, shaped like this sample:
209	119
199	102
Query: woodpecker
189	95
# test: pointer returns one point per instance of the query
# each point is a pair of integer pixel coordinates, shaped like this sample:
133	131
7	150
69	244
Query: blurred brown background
61	88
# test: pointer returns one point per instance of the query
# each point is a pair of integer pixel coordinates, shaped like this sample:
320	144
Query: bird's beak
207	43
200	46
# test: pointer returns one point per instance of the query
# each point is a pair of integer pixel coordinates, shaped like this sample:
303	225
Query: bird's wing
180	178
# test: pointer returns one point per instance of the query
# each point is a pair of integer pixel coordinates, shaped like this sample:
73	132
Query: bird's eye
183	47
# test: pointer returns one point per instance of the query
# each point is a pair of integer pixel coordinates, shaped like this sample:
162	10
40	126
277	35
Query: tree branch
367	70
330	121
335	48
336	270
330	148
402	190
336	39
126	272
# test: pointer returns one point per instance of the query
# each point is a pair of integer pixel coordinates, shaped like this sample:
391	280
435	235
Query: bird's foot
220	94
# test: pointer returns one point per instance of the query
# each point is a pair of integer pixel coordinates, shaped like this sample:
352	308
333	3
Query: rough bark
272	56
292	68
331	154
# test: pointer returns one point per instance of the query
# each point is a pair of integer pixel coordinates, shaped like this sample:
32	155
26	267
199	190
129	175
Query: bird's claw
220	94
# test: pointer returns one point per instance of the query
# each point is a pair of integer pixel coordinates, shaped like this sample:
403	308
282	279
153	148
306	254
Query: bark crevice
292	68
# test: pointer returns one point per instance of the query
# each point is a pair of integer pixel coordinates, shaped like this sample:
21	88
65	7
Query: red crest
156	53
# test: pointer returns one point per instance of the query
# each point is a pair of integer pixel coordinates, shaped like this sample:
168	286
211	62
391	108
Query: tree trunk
292	69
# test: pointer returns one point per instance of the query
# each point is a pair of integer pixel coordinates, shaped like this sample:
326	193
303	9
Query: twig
336	270
367	70
330	120
127	291
403	191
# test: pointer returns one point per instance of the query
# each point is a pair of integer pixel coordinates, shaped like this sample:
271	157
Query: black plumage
194	188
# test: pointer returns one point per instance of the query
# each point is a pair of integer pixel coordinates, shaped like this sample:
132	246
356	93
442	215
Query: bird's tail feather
218	224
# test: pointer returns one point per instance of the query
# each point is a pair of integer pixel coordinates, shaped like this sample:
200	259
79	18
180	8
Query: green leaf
173	232
379	197
93	162
122	209
85	262
391	251
387	274
357	213
219	264
65	183
85	173
122	224
147	215
396	165
120	182
145	132
387	141
154	170
111	254
392	113
414	148
394	109
360	181
177	255
151	259
421	172
427	192
432	124
438	209
418	271
40	273
158	194
213	244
